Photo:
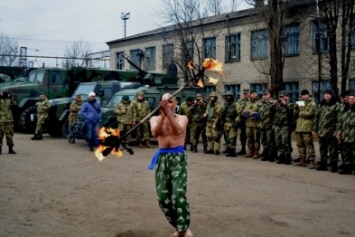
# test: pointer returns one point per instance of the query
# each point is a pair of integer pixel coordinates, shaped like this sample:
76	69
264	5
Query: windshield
37	76
117	99
84	89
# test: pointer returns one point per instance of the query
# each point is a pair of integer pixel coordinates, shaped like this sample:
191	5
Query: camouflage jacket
229	112
6	110
250	107
265	108
306	116
125	113
283	115
74	107
141	109
196	113
43	107
325	120
183	110
345	126
213	112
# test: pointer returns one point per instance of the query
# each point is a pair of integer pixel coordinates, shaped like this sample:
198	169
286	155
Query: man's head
125	99
266	95
172	101
140	96
92	96
305	94
246	94
42	96
189	100
229	96
78	97
328	94
253	95
213	97
345	97
352	99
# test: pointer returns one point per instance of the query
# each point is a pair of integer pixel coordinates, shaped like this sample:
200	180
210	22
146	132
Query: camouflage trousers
213	143
348	152
243	135
328	145
197	130
305	145
143	132
123	129
171	186
230	135
41	120
7	129
253	138
188	134
282	139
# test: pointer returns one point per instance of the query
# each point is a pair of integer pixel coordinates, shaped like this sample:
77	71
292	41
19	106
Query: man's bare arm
156	125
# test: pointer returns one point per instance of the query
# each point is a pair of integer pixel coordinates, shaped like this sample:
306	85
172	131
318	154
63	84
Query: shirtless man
171	173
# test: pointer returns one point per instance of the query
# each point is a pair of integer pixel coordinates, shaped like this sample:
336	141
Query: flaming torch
113	143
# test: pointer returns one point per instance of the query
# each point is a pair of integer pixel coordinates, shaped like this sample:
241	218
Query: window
120	60
190	50
134	56
292	89
150	59
352	85
209	89
290	40
168	55
259	44
209	48
233	51
320	37
57	78
234	88
323	86
259	88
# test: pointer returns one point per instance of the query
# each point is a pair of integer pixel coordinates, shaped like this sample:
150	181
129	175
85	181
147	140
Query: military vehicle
54	83
56	124
8	73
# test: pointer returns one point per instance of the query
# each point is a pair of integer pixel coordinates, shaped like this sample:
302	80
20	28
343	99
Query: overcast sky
46	27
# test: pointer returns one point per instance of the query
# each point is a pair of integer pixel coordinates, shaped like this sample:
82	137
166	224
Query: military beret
252	91
266	92
189	98
125	97
305	92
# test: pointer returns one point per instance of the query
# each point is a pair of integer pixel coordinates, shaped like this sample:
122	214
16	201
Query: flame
191	65
212	64
199	83
213	80
103	134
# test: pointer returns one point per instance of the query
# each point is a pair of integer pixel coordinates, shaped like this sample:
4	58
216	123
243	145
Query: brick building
240	40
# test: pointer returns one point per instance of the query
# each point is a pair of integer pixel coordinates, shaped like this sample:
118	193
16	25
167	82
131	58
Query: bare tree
77	54
8	51
189	17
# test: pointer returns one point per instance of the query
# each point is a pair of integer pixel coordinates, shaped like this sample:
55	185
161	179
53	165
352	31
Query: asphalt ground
53	188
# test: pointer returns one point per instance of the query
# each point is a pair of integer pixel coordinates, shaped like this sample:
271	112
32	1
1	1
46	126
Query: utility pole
125	17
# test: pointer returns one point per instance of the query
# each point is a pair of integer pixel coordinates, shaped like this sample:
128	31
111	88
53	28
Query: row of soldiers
270	122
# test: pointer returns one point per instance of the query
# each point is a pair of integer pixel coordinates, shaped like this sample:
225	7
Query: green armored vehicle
54	83
56	124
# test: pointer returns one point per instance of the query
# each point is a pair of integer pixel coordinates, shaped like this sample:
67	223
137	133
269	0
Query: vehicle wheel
24	121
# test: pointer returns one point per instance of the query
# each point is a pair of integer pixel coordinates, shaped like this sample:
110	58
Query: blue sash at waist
153	163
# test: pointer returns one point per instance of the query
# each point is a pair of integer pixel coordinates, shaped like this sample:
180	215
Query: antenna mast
125	17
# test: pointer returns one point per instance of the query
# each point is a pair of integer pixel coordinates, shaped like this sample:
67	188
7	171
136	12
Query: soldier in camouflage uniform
126	116
282	125
242	136
304	129
183	110
324	127
43	107
7	121
213	114
344	97
230	120
266	131
345	130
252	116
74	108
142	109
198	123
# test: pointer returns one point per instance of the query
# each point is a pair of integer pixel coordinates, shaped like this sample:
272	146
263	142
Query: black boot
288	159
11	150
266	155
35	137
40	136
273	156
205	148
191	147
194	148
346	169
242	151
0	150
333	166
281	159
322	165
231	153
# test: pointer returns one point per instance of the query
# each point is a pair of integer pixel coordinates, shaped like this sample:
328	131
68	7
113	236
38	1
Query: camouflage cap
283	93
199	95
213	94
245	91
140	93
266	92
